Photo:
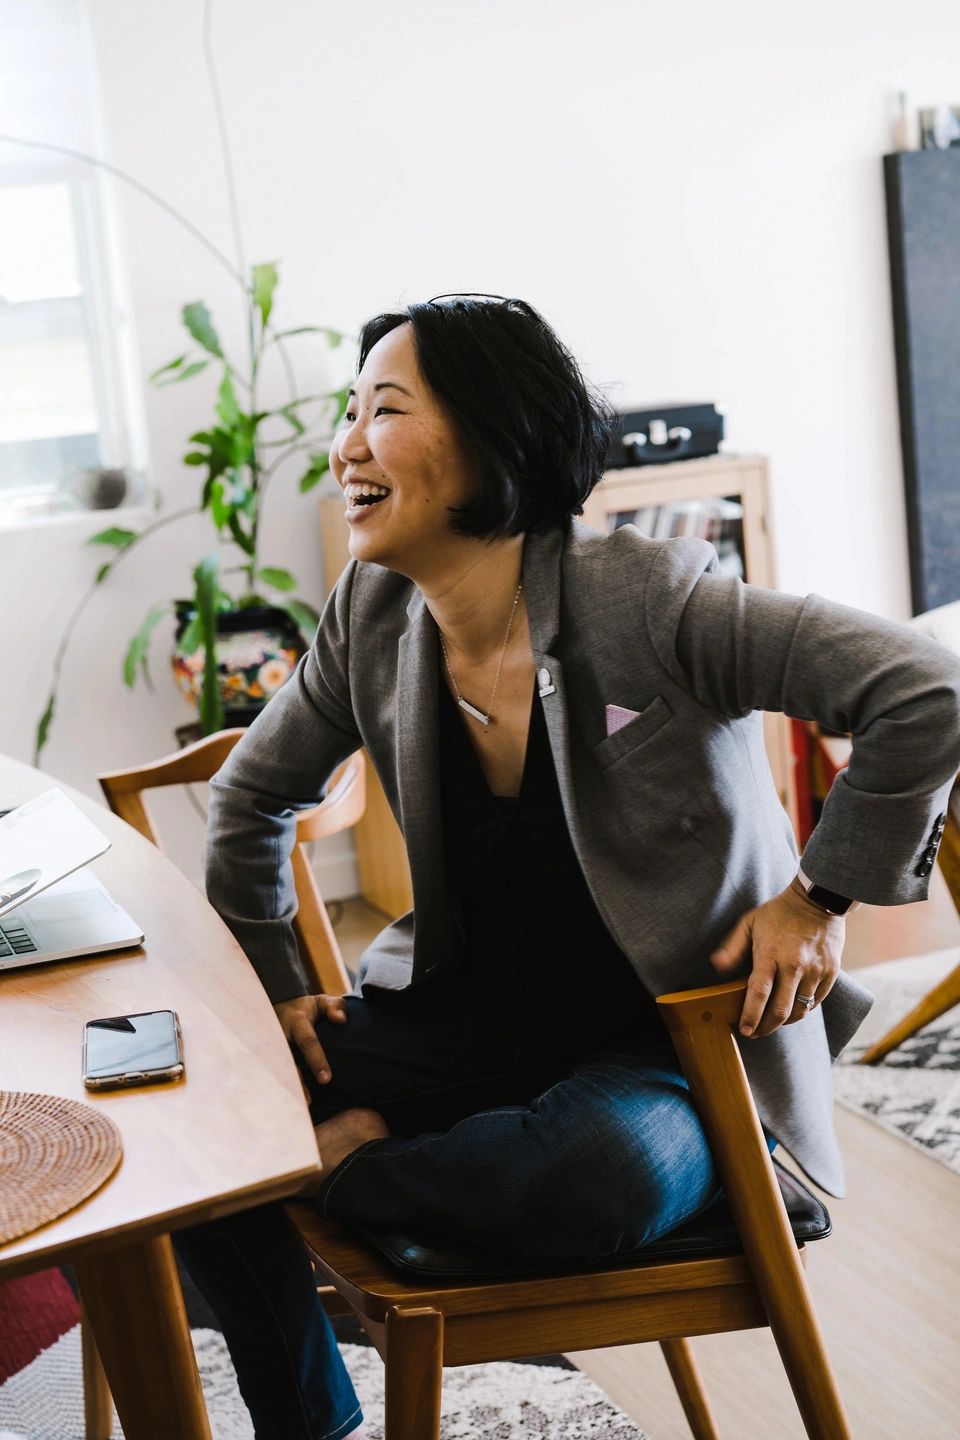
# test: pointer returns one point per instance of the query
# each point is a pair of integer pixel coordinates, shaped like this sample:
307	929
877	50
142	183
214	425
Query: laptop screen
41	841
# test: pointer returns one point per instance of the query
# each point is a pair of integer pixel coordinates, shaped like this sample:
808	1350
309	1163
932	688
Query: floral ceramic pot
256	648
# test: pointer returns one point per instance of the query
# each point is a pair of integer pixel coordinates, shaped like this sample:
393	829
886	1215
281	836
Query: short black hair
539	432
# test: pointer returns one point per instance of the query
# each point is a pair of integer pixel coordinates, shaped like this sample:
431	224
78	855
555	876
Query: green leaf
279	579
195	457
301	613
206	580
332	337
103	572
220	508
294	419
139	643
165	369
236	530
200	437
192	636
264	284
43	728
115	536
319	465
197	319
227	407
186	374
341	399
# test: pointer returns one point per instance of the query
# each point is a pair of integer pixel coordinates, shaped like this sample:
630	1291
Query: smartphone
132	1050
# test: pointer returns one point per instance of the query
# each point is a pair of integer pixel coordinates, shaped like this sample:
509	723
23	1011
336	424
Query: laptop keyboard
14	940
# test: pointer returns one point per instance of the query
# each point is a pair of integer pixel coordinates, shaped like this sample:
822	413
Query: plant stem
112	169
100	164
302	444
225	147
91	591
253	348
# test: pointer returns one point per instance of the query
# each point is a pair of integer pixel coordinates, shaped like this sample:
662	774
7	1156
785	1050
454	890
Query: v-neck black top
528	918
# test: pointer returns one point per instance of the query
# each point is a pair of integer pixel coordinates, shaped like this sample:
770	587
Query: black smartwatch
827	900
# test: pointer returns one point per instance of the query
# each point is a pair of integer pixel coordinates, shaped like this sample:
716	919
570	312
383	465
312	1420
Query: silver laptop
51	906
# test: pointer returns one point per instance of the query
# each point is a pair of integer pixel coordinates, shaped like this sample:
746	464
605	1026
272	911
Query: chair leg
714	1069
941	998
686	1377
97	1401
414	1373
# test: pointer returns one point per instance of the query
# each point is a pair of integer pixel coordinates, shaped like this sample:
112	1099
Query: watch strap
829	901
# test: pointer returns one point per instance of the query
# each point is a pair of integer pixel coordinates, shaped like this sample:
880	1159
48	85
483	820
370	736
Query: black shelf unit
923	227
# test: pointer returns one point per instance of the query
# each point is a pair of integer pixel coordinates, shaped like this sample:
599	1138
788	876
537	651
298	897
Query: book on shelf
715	518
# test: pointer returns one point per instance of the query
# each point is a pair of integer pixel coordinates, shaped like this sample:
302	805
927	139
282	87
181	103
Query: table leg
133	1298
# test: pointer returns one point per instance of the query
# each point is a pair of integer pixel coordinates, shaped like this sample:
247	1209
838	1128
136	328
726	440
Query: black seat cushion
710	1233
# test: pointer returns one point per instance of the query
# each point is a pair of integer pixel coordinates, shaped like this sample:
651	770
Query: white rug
915	1091
500	1401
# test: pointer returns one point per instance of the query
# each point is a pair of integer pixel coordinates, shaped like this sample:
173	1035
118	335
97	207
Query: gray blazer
674	818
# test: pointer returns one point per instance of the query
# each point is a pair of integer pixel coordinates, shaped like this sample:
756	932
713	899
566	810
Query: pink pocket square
617	717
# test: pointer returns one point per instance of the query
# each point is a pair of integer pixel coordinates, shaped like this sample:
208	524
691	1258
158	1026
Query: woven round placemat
54	1152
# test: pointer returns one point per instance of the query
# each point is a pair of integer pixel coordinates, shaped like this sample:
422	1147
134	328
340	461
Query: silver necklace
465	704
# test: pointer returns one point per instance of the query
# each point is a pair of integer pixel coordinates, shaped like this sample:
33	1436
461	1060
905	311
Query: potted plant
242	630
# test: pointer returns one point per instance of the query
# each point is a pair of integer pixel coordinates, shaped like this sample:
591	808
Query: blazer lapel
418	780
542	562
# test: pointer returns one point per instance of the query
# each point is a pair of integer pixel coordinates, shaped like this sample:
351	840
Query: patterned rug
41	1395
915	1091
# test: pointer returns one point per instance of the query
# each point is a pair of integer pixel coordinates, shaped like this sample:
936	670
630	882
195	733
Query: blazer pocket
624	741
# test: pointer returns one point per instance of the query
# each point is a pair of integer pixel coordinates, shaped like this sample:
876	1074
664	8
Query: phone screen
123	1043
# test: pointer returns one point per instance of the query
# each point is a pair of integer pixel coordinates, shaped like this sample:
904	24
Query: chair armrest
341	807
192	764
710	1005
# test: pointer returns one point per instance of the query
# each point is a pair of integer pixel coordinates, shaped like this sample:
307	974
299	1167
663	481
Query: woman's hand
298	1018
796	949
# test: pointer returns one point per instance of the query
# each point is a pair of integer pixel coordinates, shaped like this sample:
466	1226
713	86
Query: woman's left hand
796	949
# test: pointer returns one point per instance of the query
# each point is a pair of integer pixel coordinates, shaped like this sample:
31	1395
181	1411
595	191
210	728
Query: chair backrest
341	808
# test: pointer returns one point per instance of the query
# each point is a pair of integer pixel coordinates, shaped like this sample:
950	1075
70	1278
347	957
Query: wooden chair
319	951
342	808
740	1265
432	1304
946	994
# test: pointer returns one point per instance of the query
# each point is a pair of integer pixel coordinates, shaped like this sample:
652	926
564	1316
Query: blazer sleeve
281	765
739	648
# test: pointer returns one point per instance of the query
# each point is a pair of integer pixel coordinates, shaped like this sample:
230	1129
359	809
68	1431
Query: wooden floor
885	1283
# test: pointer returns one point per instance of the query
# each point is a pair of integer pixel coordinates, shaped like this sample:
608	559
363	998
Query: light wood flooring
885	1283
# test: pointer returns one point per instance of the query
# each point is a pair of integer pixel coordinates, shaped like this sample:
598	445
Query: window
71	429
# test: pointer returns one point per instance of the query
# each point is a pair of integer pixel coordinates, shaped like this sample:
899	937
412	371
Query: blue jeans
580	1142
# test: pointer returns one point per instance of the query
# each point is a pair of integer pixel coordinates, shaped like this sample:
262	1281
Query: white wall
691	194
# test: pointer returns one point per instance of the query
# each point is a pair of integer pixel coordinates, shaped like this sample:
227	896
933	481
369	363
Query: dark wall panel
923	221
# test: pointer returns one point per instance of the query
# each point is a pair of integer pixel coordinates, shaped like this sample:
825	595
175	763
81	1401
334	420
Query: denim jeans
577	1142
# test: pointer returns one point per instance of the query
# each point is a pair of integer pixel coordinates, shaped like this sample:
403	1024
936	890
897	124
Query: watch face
829	900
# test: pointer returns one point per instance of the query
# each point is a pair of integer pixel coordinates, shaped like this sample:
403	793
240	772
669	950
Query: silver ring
807	1001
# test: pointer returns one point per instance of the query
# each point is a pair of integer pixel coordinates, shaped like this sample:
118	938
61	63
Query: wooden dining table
232	1133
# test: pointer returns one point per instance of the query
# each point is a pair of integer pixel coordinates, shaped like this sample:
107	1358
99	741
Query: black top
527	914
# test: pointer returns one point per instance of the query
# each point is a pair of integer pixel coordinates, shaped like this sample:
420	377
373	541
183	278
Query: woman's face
397	440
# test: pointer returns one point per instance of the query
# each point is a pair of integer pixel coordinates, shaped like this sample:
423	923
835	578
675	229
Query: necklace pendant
472	710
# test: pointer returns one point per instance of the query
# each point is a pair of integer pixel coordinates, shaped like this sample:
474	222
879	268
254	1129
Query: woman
565	727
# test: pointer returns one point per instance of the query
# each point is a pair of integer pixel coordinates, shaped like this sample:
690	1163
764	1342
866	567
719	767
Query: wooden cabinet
734	509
